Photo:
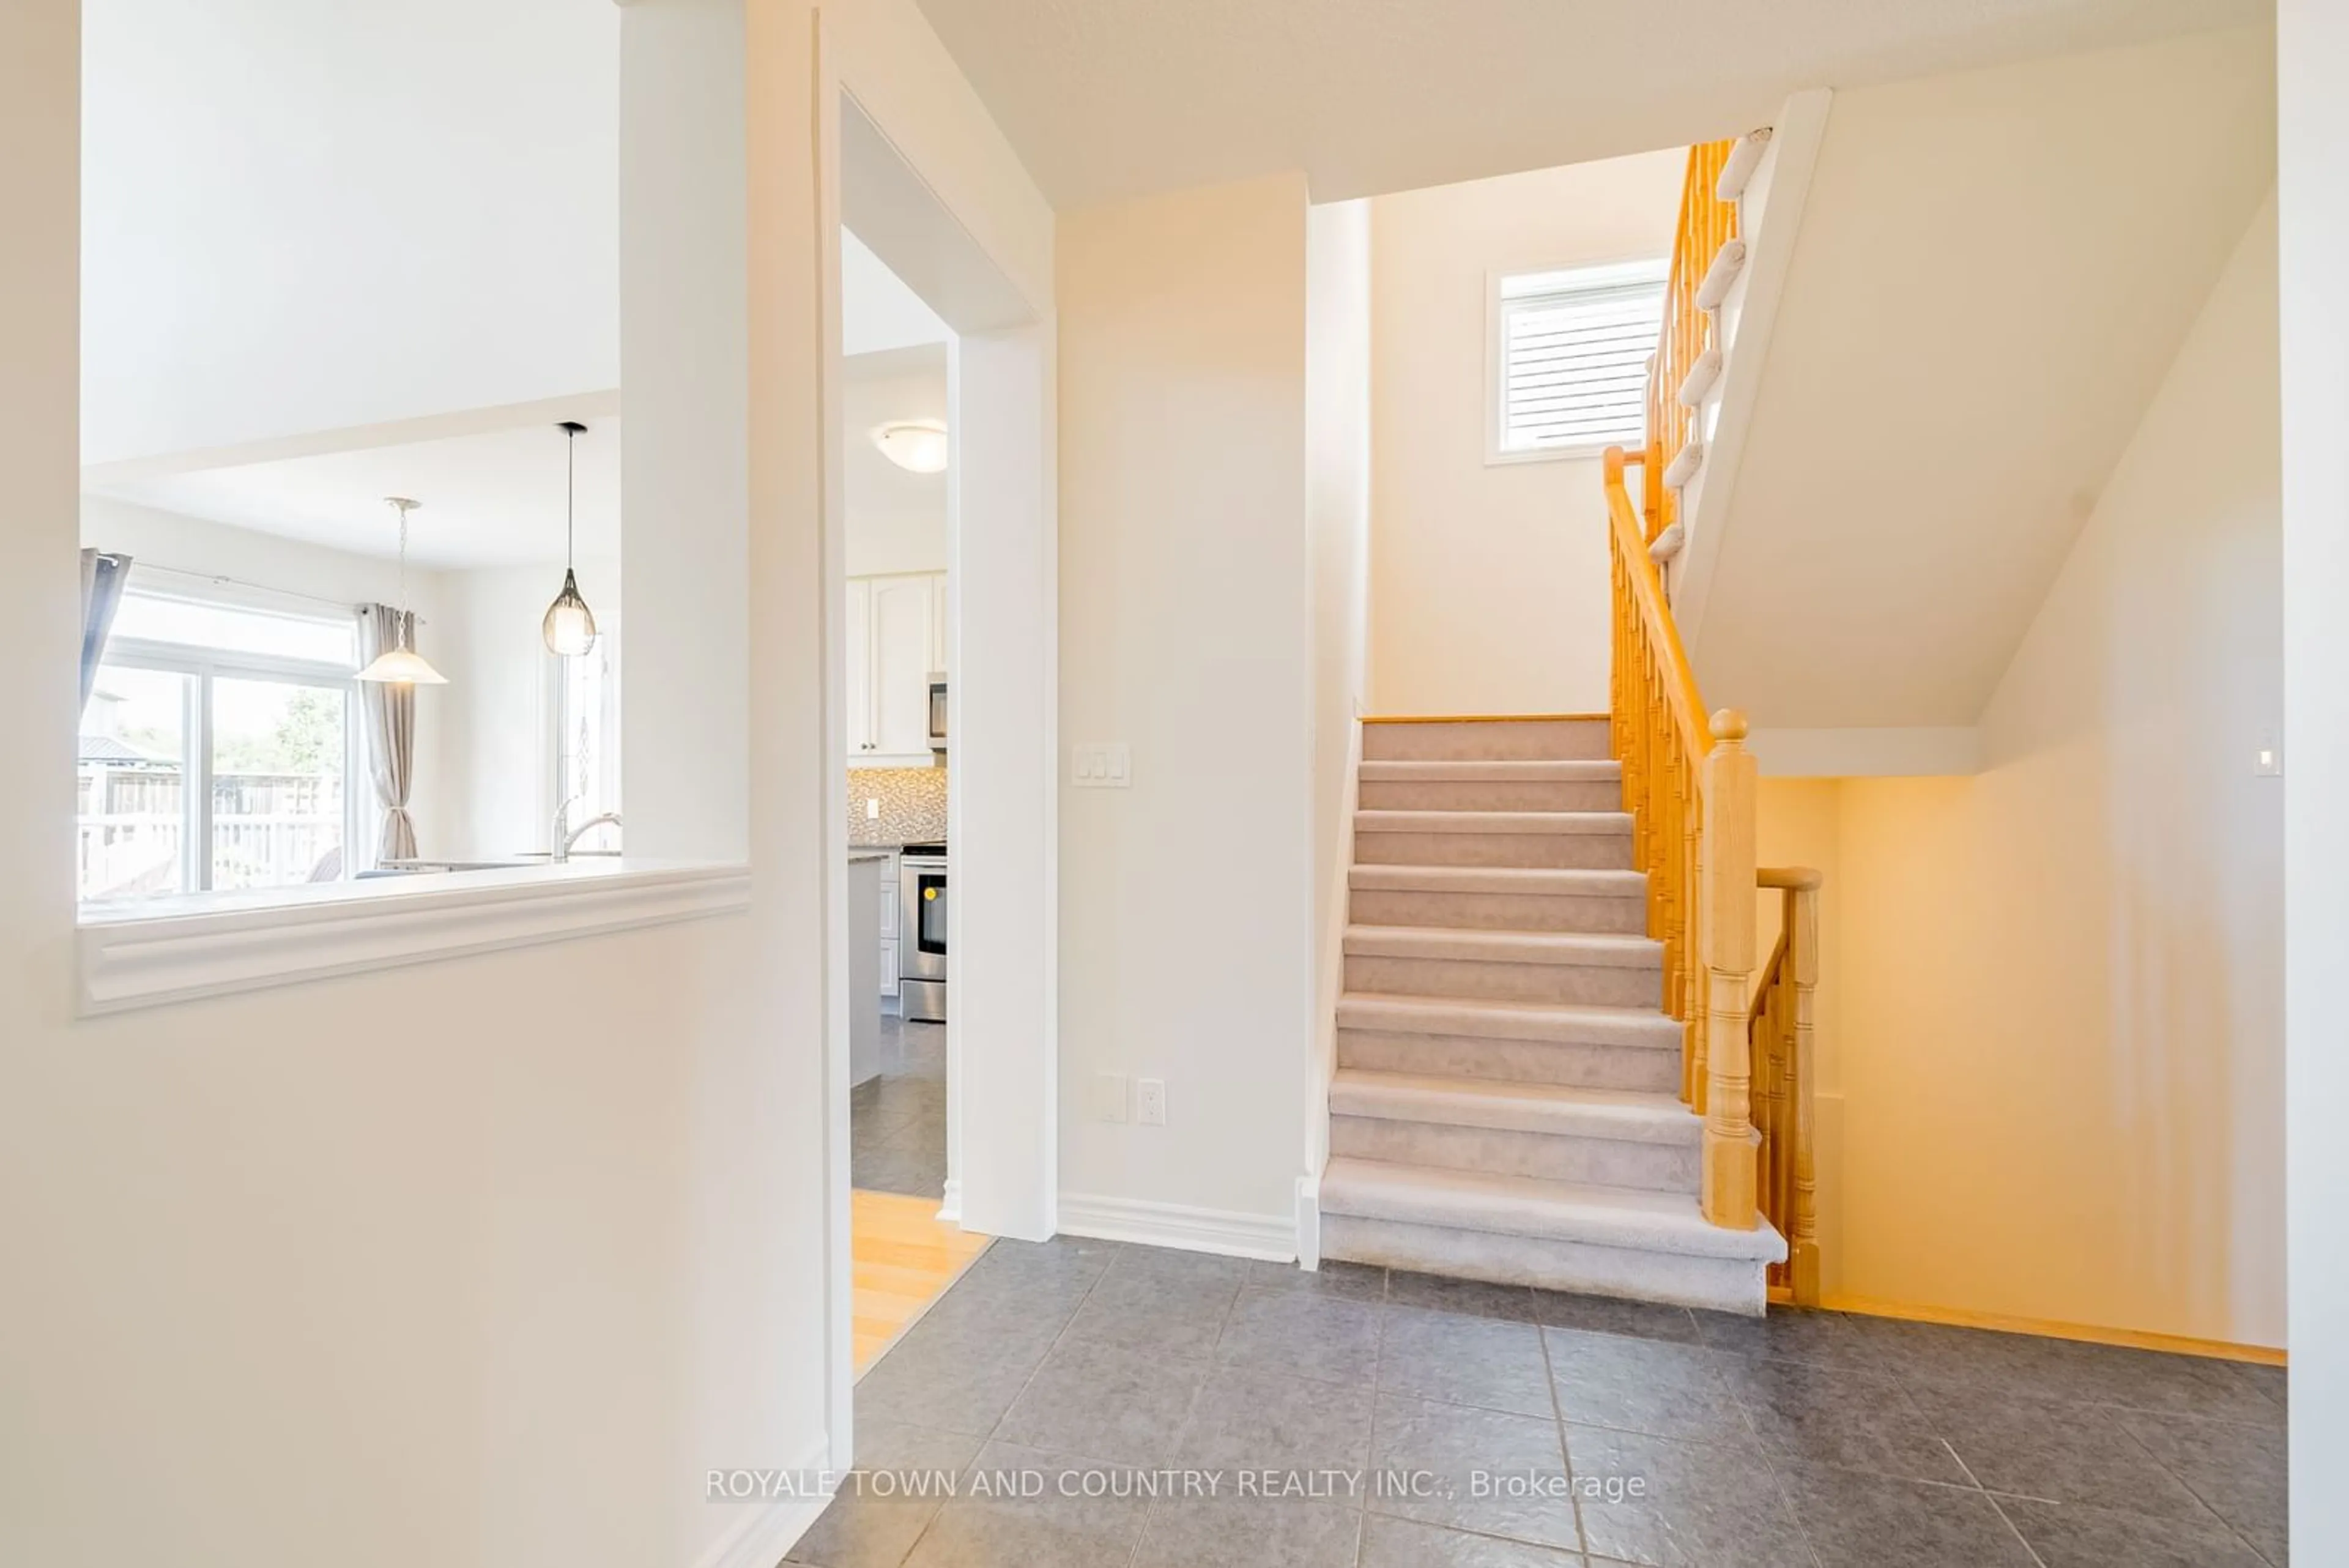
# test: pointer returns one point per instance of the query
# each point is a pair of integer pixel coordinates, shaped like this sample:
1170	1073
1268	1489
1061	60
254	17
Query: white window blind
1573	357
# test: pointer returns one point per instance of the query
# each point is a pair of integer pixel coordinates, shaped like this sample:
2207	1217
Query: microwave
937	713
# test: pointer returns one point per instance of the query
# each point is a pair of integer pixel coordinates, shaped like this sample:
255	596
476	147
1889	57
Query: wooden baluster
1726	944
1803	972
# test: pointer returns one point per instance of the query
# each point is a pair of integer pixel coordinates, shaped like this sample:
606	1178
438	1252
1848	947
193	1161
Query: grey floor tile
920	1134
1483	1471
1355	1282
1303	1332
875	1517
2059	1451
2271	1381
1247	1418
1788	1334
1439	1292
892	1171
1046	1276
954	1374
1856	1520
1644	1386
1605	1314
2074	1535
1680	1505
1248	1532
2239	1472
1143	1304
1125	1406
1465	1361
1825	1414
1401	1543
1170	1263
1034	1513
2035	1367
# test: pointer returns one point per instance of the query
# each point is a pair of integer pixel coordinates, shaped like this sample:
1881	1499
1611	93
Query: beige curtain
390	723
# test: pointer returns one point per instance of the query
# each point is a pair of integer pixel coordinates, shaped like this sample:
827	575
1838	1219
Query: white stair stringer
1506	1100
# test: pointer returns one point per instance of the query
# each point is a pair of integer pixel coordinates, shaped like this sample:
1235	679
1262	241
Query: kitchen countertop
869	852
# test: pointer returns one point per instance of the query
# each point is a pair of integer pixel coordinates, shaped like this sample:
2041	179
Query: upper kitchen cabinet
893	631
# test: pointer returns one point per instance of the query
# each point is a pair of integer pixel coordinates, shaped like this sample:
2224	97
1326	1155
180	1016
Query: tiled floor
898	1122
1523	1429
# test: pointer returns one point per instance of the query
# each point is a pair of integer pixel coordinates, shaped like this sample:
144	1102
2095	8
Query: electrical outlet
1150	1102
1108	1097
872	810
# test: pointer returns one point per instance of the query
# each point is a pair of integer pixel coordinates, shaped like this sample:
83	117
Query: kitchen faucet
564	840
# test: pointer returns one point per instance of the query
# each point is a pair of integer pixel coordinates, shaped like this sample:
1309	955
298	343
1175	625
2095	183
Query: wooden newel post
1725	907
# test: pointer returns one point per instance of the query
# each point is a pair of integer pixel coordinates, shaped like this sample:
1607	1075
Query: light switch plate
1099	764
1108	1097
2267	762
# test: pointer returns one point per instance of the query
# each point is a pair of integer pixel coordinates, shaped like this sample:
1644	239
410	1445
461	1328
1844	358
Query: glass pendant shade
401	665
570	625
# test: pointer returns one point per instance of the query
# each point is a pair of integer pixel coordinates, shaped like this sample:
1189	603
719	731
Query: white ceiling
493	499
877	311
1110	98
1994	272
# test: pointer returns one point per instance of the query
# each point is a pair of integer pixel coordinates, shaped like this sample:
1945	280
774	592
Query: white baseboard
766	1529
1237	1235
1308	1222
951	1205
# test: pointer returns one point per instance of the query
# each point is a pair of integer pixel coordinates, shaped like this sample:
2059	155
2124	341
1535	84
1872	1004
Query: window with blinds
1572	358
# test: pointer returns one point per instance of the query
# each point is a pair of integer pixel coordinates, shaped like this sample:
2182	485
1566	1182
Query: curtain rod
138	565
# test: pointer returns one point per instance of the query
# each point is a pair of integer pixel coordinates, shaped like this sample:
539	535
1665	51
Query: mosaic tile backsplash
913	805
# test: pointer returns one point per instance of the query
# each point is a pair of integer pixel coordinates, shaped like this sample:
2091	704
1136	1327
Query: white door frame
1002	803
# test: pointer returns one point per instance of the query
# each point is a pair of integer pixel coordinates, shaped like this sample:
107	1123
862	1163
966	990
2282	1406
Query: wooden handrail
1706	223
1779	1035
1689	784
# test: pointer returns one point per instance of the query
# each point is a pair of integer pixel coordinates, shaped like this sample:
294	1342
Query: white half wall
1489	580
2312	47
1186	901
525	1241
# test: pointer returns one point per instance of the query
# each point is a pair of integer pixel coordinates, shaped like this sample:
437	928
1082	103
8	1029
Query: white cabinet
894	633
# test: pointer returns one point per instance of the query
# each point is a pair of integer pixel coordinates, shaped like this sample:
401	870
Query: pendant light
570	626
399	664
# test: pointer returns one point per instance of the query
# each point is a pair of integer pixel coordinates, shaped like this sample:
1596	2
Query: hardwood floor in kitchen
904	1259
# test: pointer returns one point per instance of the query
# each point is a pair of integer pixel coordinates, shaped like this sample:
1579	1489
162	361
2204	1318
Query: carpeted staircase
1506	1105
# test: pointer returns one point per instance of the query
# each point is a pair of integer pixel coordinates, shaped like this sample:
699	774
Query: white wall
2313	45
1187	940
279	194
437	790
1337	515
2054	1082
1489	582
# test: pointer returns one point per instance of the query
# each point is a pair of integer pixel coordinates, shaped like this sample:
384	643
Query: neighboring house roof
107	749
